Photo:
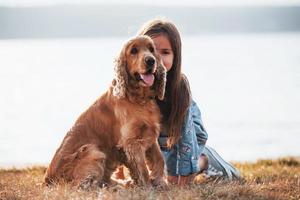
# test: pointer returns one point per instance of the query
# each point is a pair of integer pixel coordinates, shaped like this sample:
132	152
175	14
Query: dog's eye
134	50
151	49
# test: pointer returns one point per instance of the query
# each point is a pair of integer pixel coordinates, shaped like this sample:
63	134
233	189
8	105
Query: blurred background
242	59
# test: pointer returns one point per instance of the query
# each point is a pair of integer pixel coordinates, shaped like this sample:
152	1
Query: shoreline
21	166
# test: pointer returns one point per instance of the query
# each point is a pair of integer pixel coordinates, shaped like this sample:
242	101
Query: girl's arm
198	124
191	145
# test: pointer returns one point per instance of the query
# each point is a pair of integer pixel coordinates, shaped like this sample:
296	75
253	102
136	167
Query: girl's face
164	48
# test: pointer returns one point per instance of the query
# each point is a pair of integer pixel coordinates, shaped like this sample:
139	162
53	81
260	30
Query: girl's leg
213	164
203	162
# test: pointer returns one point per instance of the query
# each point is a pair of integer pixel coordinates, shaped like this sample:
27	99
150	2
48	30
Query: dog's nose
149	60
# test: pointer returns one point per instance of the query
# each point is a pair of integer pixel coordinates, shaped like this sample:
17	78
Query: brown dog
121	127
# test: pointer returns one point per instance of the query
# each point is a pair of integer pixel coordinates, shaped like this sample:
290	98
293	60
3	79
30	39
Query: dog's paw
89	183
160	184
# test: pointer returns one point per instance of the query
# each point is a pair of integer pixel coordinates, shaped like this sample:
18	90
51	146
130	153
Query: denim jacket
182	158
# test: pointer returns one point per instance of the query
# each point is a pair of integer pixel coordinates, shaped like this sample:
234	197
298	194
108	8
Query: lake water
247	87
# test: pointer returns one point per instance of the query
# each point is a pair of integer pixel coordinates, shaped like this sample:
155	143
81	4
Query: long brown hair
178	94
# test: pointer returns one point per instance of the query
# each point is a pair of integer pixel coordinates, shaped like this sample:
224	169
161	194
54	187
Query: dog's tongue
148	79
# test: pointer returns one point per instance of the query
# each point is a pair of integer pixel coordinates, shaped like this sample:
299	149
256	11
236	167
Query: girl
183	136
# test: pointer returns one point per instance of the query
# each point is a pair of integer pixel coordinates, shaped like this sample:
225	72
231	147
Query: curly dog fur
121	127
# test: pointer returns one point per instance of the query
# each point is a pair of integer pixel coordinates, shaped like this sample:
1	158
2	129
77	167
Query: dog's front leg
155	163
136	163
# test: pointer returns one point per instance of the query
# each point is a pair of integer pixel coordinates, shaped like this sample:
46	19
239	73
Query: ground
264	179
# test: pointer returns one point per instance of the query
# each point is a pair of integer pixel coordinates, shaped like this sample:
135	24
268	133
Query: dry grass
265	179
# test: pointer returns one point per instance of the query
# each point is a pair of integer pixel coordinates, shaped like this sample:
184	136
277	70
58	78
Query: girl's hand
185	180
173	180
181	180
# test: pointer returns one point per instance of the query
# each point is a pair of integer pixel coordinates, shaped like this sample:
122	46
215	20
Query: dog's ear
160	80
121	76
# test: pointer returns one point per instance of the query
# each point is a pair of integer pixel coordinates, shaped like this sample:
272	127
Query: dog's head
139	64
